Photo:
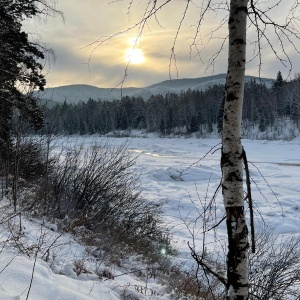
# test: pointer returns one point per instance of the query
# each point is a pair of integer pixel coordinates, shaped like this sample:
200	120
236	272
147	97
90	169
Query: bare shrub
275	267
184	285
98	188
31	157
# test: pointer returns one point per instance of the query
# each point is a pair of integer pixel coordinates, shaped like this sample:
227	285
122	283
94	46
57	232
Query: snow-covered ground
182	174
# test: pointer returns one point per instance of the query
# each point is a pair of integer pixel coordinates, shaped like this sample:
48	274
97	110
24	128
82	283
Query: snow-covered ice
182	174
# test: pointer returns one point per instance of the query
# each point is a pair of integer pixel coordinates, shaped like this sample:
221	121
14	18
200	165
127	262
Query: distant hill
81	92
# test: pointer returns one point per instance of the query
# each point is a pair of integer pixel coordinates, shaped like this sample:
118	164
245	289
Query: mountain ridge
82	92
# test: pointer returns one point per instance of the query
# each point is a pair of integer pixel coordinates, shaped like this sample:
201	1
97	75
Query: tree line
190	111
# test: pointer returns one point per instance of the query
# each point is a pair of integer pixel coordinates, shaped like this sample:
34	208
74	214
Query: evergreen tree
20	65
295	111
220	117
162	127
278	82
194	126
169	122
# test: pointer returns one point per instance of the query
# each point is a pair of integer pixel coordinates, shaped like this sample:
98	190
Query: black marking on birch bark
231	20
238	41
235	252
241	8
233	176
231	97
225	160
232	254
224	187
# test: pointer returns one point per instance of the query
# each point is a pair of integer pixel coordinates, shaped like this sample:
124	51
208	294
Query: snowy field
181	174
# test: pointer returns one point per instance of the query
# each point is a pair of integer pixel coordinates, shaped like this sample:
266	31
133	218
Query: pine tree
278	82
20	65
220	116
295	111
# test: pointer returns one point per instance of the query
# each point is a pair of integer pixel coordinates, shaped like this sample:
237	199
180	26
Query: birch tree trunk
231	160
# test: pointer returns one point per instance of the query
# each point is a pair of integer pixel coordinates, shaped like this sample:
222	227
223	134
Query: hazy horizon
81	60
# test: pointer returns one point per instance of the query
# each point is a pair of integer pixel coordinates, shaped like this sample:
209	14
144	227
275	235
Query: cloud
87	21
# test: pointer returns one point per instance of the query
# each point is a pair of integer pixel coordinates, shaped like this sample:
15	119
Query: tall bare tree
231	160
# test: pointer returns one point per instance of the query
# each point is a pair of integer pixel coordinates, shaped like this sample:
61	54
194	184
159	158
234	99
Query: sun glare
134	56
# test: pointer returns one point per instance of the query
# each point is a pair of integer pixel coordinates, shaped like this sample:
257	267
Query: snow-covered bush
98	188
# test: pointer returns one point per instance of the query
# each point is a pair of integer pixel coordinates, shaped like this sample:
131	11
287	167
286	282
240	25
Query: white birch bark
231	161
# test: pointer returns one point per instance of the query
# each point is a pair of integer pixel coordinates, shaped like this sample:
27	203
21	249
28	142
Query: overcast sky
151	62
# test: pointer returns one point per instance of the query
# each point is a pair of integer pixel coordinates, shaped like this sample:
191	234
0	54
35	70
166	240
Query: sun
134	56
